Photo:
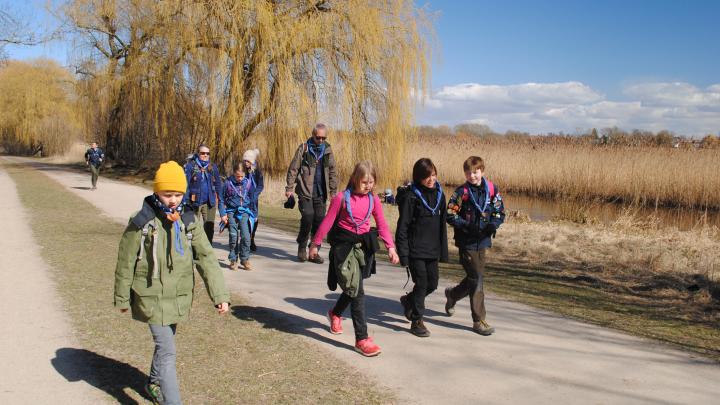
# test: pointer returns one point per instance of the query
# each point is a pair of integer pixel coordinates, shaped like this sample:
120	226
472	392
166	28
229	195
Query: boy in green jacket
154	274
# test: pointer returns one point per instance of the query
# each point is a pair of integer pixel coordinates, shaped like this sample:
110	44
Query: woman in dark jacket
421	238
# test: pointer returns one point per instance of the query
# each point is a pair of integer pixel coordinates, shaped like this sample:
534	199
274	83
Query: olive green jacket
157	282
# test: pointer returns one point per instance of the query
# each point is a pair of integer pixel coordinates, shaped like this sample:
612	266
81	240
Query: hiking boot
483	328
449	302
367	347
246	264
335	323
317	259
253	247
155	393
302	254
407	308
418	329
233	265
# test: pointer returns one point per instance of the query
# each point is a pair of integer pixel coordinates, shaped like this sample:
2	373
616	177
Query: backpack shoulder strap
491	188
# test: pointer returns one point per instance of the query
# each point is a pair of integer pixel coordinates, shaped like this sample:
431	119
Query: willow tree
36	107
180	72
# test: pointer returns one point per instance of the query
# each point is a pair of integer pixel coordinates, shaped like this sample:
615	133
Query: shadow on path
289	323
101	372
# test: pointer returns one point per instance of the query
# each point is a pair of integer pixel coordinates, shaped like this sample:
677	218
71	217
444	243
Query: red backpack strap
491	188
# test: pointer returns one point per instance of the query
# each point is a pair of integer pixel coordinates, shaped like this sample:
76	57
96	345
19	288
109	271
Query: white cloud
551	107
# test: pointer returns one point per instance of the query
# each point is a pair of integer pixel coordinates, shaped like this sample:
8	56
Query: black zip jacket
419	233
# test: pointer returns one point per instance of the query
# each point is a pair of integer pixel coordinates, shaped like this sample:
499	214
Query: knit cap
251	155
170	177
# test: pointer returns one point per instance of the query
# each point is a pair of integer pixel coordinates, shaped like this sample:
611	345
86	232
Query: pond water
542	209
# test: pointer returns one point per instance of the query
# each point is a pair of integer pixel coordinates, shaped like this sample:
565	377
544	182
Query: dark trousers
473	262
312	212
424	274
252	236
357	310
95	170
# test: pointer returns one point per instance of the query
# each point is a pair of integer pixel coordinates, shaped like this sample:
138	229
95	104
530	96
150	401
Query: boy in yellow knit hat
154	274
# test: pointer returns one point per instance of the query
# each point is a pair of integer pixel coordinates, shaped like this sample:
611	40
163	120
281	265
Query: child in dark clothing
475	211
421	238
352	253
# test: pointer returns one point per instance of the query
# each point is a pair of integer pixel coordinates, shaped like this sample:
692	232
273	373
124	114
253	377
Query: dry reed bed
653	176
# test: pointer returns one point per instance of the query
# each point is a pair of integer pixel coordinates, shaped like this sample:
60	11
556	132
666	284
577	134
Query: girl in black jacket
421	238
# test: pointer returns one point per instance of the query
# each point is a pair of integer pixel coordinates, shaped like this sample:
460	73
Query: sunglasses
320	138
203	153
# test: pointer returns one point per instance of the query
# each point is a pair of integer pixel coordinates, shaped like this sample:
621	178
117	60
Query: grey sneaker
449	302
482	328
302	254
155	393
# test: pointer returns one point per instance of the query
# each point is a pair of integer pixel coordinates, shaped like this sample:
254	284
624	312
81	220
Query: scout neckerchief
173	215
348	207
435	210
203	164
245	184
487	197
313	149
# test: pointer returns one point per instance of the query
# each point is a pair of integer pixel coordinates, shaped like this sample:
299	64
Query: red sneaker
367	347
335	323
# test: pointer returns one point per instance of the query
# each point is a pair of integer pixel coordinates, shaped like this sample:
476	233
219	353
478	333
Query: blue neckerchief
487	196
245	185
348	207
313	149
176	224
435	210
203	165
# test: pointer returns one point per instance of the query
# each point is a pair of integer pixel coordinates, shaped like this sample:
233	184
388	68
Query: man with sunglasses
204	185
313	177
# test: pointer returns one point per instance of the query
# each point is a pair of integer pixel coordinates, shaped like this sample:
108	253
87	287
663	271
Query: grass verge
221	359
666	315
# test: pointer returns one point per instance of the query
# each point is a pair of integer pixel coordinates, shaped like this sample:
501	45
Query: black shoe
449	302
253	248
407	308
418	329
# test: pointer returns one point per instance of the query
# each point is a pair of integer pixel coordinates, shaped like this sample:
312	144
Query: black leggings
424	274
357	310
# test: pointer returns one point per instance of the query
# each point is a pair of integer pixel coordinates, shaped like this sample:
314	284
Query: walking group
174	229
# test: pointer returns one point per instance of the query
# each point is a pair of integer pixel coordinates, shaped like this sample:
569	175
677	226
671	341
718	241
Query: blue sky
542	66
557	65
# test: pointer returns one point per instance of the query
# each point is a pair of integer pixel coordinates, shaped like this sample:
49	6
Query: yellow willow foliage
36	107
175	73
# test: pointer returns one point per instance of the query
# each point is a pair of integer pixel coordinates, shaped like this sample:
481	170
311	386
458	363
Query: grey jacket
301	173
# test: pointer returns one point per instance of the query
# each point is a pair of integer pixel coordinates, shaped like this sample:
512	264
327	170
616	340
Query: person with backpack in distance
236	211
313	177
204	185
154	275
421	238
352	250
94	158
475	211
253	172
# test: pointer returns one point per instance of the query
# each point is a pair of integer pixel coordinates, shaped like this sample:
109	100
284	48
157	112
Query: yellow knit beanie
170	177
